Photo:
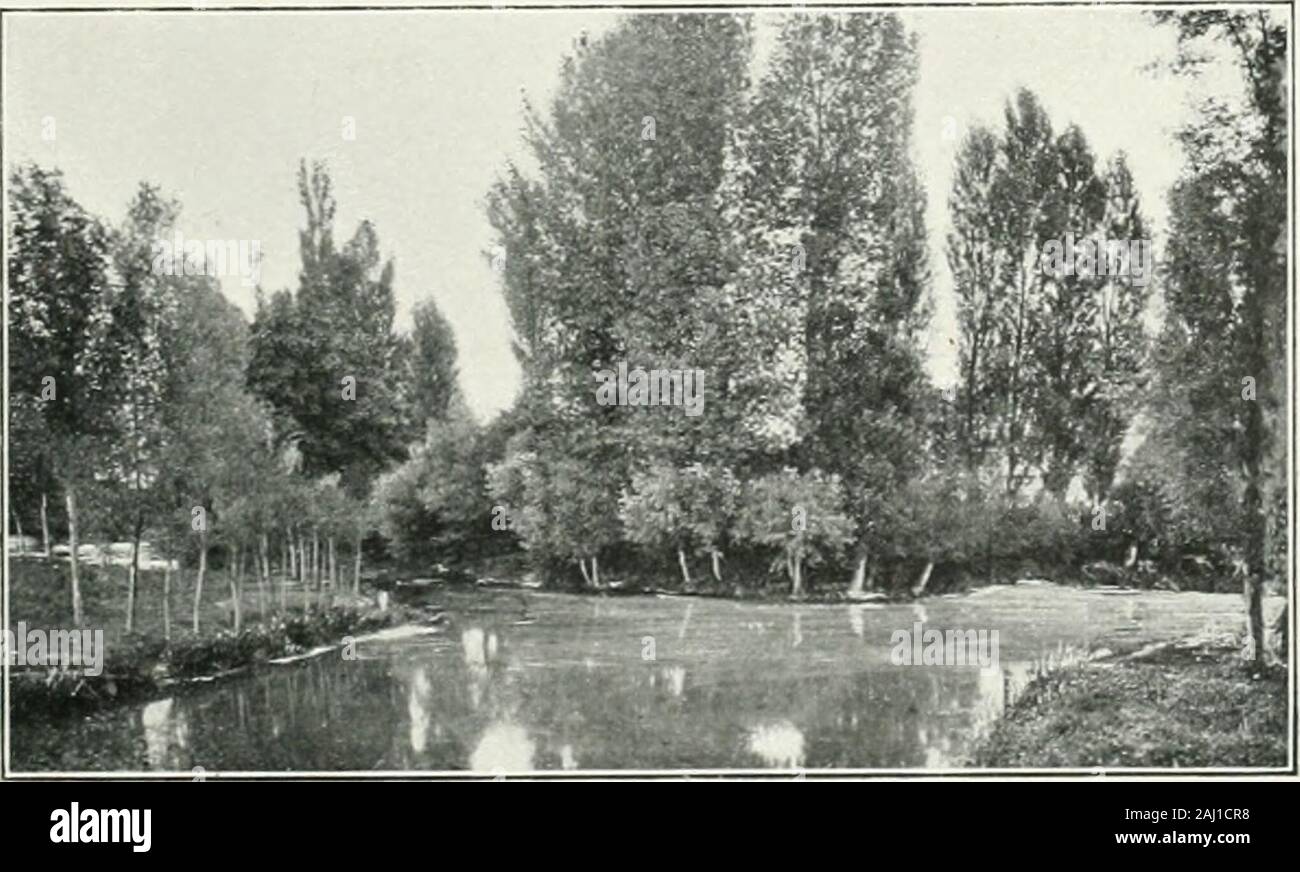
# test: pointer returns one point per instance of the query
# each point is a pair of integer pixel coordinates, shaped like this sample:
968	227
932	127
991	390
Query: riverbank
752	582
163	650
1172	706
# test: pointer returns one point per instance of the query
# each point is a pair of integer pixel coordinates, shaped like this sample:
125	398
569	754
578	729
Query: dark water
525	681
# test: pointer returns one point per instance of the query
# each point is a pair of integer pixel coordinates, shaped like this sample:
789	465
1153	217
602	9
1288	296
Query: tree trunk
167	600
859	577
315	559
334	566
235	576
686	572
919	587
19	525
132	574
198	579
45	526
133	579
796	576
1253	588
1279	640
582	567
1013	434
284	589
72	557
717	570
356	569
595	572
309	577
293	559
263	574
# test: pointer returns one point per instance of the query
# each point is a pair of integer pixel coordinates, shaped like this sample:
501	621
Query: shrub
800	514
686	509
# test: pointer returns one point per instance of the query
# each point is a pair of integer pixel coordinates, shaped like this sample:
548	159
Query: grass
136	664
1178	708
40	594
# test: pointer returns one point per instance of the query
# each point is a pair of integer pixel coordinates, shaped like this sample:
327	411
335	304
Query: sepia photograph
575	392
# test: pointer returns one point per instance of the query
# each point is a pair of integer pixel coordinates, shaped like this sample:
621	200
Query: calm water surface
520	681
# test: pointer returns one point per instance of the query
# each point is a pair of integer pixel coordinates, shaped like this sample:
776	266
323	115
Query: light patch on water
418	713
394	634
675	679
998	689
166	733
504	747
858	617
778	744
476	646
938	749
292	658
471	642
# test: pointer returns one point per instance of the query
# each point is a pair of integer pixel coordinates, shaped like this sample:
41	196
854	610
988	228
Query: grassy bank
139	664
1176	708
40	594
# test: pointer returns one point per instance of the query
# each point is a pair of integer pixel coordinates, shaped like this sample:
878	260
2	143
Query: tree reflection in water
778	744
166	735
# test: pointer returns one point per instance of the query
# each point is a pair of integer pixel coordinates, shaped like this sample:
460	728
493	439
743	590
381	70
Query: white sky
217	109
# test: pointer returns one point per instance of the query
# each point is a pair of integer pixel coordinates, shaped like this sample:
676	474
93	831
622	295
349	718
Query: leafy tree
978	258
327	358
931	519
143	304
617	252
800	514
1063	359
64	371
688	509
1120	361
1049	357
436	499
1029	156
216	426
562	500
1223	348
430	364
830	143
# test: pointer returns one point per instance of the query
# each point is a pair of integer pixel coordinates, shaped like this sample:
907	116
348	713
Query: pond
518	681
